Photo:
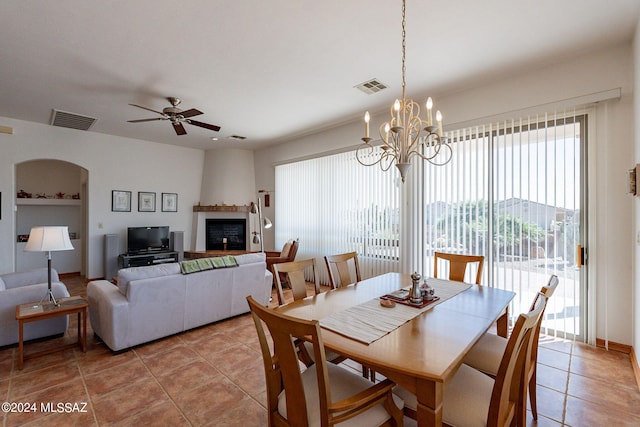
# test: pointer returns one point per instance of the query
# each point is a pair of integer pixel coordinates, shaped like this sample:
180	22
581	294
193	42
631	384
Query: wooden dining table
423	353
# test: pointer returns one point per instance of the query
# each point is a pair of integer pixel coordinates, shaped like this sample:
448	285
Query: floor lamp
48	239
263	223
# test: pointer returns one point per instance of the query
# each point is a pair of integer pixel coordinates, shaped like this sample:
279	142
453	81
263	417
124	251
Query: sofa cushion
251	258
2	286
189	266
126	275
29	277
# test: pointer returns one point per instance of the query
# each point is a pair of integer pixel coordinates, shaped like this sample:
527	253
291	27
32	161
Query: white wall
636	204
612	232
114	164
228	177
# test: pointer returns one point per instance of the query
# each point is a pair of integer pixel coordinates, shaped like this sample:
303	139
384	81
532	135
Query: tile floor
213	376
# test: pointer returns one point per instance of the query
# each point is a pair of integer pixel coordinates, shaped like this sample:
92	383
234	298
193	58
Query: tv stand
125	261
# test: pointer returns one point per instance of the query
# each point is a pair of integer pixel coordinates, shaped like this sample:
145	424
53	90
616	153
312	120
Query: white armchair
21	288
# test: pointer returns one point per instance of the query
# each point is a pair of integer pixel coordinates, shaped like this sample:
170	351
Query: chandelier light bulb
367	117
439	121
429	108
396	108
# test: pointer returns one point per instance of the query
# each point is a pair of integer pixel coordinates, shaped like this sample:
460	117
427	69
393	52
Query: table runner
369	321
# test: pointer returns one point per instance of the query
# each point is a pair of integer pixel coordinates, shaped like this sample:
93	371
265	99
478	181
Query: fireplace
231	229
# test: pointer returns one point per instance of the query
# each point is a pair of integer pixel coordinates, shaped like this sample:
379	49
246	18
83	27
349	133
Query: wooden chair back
547	291
508	398
281	368
341	264
276	257
282	373
294	273
458	265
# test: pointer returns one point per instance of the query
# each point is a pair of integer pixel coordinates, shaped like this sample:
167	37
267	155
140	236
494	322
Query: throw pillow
229	261
189	266
286	249
204	264
217	262
2	286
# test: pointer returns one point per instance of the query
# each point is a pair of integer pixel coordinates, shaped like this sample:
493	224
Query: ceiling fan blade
190	113
148	109
177	126
203	125
146	120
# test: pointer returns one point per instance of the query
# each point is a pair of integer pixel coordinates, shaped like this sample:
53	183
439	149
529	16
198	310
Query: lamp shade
50	238
267	222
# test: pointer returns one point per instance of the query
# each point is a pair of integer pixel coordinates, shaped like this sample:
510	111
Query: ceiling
274	70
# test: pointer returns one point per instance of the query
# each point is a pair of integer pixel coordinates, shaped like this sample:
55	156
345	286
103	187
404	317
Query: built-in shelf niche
49	177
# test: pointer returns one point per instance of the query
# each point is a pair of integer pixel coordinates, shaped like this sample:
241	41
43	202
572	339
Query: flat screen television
142	240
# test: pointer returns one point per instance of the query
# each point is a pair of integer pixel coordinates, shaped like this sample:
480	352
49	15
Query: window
334	205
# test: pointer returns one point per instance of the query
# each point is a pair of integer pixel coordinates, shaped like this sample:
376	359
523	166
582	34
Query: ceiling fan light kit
176	116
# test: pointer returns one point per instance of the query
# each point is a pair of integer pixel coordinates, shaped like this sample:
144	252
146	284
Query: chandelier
406	135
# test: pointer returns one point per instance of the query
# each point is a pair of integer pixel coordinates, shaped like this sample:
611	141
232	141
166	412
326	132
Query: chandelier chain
404	47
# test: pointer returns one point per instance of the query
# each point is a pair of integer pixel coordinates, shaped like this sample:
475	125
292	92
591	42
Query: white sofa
24	287
156	301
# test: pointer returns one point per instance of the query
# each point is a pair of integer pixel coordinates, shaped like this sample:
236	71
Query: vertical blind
512	192
334	205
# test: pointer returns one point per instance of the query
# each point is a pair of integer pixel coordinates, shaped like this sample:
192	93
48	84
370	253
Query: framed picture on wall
146	201
169	202
120	201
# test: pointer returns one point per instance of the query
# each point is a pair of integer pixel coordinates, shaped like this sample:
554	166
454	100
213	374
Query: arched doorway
51	192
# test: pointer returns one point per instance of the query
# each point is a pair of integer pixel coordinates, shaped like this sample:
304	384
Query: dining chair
287	254
294	272
346	267
472	398
306	398
458	265
486	354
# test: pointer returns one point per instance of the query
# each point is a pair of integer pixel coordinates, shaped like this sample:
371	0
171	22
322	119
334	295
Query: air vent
238	137
71	120
371	86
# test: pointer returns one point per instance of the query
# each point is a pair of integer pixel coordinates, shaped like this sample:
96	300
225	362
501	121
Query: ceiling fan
177	117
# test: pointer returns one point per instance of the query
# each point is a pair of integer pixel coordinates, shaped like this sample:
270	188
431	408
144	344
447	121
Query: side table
32	312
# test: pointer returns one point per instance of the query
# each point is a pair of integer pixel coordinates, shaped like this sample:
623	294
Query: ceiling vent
238	137
71	120
371	86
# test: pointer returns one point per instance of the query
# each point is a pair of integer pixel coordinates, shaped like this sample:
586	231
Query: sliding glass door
513	192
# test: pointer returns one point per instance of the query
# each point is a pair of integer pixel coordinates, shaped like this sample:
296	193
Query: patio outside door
514	192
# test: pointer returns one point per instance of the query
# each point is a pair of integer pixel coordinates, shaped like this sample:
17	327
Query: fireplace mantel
203	212
221	208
